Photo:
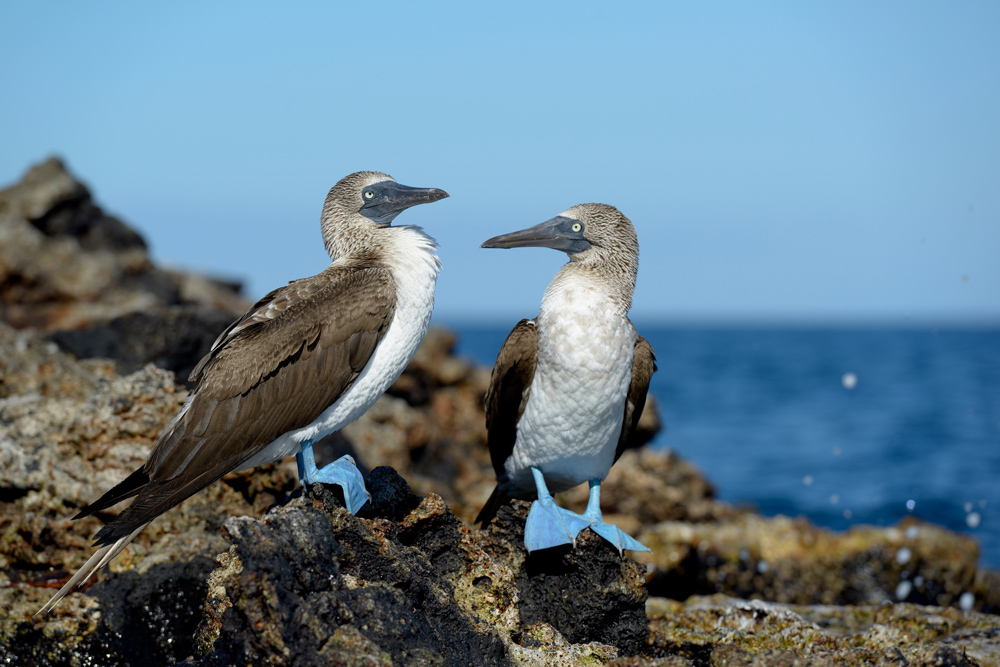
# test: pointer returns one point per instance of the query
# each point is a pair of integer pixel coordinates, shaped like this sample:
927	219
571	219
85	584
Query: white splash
903	590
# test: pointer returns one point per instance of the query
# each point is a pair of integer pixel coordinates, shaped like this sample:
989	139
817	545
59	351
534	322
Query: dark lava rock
391	496
154	615
787	560
58	205
314	585
410	584
174	338
587	592
66	264
144	620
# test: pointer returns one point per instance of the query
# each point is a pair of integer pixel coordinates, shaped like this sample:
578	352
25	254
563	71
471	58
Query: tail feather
100	558
489	512
127	488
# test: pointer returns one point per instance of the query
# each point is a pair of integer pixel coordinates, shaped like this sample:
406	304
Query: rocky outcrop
418	590
253	570
306	581
69	429
791	561
68	267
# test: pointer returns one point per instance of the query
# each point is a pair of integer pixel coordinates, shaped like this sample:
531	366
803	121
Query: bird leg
342	472
548	524
611	533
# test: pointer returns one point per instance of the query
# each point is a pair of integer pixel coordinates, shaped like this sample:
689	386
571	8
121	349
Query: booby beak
390	198
559	233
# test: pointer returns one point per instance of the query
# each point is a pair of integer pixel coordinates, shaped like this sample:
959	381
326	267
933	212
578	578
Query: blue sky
793	161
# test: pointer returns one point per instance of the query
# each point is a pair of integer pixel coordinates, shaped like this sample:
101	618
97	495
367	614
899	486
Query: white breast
573	418
415	266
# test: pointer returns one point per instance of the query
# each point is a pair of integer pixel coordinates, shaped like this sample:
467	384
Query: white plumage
573	417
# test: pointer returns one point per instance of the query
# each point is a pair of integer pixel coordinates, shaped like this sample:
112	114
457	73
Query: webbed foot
618	537
549	525
343	472
611	533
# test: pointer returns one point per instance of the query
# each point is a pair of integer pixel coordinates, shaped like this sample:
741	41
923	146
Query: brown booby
568	386
304	361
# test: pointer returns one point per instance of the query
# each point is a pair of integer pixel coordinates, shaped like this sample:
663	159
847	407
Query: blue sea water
772	418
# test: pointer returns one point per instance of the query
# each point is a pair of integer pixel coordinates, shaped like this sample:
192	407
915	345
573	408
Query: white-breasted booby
304	361
568	387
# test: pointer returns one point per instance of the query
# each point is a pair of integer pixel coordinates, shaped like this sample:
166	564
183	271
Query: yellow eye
576	227
369	194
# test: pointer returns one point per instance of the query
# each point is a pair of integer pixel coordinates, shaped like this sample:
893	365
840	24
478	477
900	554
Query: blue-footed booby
304	361
568	386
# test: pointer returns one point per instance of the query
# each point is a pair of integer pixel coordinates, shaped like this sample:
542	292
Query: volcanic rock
252	570
68	267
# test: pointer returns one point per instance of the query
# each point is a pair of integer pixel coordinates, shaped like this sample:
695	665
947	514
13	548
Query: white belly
415	275
573	419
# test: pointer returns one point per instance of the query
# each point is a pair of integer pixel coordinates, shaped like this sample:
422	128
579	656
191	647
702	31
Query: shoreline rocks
254	570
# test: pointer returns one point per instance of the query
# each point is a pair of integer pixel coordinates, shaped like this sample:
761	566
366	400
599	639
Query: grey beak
556	233
393	198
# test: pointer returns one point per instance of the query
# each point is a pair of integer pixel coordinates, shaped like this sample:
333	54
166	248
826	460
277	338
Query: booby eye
576	227
369	194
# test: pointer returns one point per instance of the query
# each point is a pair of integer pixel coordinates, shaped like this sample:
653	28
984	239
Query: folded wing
274	370
510	385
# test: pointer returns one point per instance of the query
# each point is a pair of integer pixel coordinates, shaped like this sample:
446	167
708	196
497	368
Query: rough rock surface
67	266
420	590
789	560
174	338
724	631
253	571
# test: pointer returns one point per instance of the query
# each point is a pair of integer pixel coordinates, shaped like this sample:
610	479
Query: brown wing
506	397
643	367
274	370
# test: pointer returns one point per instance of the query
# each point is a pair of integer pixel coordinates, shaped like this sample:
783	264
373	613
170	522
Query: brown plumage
266	375
275	370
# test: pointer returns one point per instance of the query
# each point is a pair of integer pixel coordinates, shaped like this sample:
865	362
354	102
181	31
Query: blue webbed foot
617	537
343	472
611	533
549	525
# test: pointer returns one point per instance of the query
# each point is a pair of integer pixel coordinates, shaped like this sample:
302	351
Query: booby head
591	234
366	200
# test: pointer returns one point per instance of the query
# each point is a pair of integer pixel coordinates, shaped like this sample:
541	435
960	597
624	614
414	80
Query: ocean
841	425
